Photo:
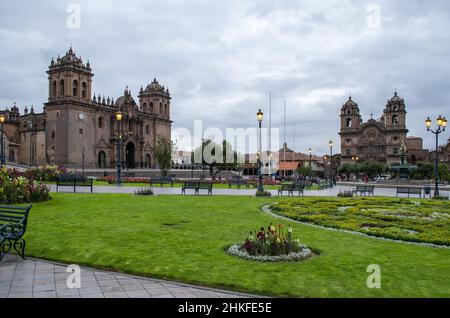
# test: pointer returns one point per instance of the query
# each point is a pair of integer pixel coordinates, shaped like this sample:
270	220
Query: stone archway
148	161
101	160
130	156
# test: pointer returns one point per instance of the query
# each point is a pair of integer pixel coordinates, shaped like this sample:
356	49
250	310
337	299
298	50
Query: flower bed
44	173
16	189
274	244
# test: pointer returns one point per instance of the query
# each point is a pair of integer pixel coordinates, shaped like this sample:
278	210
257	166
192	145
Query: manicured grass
184	238
401	219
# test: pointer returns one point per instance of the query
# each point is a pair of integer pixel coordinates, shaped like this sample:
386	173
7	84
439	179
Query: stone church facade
375	140
77	127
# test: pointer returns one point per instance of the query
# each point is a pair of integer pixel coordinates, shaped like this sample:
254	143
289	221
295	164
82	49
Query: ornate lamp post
326	173
2	149
260	116
442	124
355	159
119	117
331	144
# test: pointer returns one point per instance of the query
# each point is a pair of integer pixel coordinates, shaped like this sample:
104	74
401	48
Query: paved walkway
389	192
39	279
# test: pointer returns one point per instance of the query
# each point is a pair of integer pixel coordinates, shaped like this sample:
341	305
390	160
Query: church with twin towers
77	126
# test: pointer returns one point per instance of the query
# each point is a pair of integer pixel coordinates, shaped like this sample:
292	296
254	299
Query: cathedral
78	129
379	140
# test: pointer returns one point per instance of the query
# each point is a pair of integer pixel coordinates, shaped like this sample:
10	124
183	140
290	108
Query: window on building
144	107
395	151
349	123
75	88
53	134
54	93
84	90
348	140
147	129
62	88
160	109
101	122
151	107
81	131
348	152
395	120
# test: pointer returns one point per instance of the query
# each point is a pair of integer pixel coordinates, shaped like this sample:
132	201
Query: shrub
17	189
345	194
263	193
144	192
441	198
44	173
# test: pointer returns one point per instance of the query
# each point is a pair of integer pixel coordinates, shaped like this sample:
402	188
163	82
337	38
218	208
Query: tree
372	169
444	174
163	155
425	170
217	157
304	171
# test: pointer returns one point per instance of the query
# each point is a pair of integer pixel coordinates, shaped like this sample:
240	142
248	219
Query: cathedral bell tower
395	113
69	78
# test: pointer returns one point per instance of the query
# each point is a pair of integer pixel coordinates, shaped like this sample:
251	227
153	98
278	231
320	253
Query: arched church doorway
102	160
130	164
12	156
148	161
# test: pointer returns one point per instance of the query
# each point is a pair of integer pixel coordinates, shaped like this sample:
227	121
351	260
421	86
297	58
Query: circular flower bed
304	254
274	244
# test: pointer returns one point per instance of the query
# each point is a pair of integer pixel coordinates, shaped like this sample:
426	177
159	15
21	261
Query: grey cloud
221	59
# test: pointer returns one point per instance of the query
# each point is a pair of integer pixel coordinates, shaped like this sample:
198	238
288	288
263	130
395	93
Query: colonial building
375	140
78	129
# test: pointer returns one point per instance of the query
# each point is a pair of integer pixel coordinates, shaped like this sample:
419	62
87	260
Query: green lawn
184	238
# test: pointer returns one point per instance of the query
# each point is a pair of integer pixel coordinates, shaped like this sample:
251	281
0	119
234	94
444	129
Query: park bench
197	186
73	180
286	187
13	224
364	190
162	180
409	191
238	183
205	186
300	187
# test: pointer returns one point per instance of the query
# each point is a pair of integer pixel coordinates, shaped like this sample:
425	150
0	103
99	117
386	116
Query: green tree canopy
217	157
163	154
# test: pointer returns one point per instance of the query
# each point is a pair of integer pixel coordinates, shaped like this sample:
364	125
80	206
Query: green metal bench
13	224
286	187
73	180
409	191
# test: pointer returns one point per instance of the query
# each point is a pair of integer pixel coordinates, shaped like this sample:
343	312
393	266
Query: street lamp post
2	148
310	162
331	144
119	118
442	124
260	116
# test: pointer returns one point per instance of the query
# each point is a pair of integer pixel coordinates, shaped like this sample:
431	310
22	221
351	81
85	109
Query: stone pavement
40	279
379	191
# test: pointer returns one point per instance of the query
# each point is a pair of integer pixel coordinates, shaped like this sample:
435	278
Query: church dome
350	103
396	98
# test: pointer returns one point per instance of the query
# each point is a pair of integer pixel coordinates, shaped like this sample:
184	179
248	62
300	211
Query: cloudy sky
221	59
